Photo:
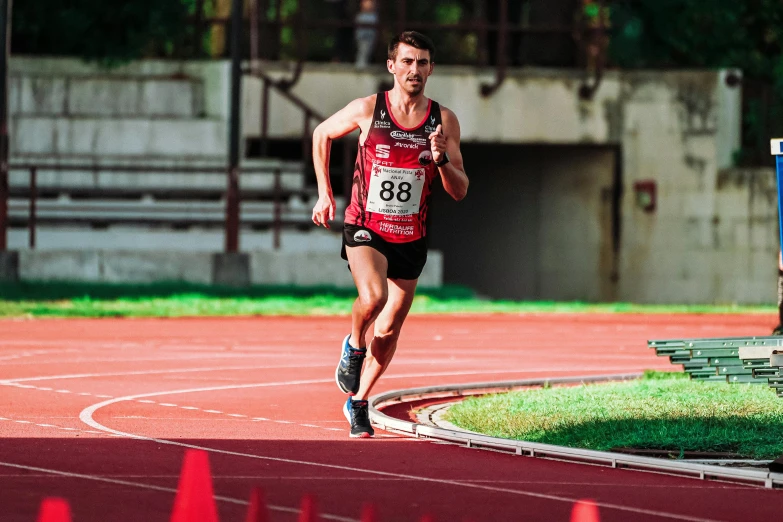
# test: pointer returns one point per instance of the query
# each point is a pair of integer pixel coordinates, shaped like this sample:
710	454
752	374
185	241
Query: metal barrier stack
755	360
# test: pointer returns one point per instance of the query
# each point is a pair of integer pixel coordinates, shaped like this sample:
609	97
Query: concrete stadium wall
675	130
709	239
136	266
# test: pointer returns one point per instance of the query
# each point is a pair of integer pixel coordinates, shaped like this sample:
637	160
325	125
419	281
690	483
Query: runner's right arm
355	115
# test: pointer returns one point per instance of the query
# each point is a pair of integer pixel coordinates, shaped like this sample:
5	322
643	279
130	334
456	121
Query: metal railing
309	115
277	192
500	41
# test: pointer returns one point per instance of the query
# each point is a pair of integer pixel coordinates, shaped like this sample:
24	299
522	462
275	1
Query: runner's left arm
446	139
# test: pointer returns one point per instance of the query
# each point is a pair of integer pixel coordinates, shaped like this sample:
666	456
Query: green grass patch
63	299
663	410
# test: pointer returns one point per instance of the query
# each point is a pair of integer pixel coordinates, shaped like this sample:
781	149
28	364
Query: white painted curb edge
535	449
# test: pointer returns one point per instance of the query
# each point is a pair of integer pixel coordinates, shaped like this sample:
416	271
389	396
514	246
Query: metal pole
276	219
264	118
32	225
401	15
232	196
5	41
487	89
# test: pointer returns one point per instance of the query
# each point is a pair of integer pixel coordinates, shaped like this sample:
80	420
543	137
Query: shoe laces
355	360
361	414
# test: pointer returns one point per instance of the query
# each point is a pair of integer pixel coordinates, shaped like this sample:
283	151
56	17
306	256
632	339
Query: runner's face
411	68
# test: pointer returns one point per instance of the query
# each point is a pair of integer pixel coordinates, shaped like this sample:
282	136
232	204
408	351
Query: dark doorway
539	222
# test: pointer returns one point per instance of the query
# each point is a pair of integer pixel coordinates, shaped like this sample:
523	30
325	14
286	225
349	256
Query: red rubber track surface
100	412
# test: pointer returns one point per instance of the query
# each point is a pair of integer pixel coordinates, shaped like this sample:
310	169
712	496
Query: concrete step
106	97
101	177
217	161
118	136
193	213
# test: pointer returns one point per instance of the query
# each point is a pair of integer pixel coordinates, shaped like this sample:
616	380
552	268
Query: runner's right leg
368	268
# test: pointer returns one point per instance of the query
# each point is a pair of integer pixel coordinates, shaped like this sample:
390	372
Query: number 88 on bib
395	191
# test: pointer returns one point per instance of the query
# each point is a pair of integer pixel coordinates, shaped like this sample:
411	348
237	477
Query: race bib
395	191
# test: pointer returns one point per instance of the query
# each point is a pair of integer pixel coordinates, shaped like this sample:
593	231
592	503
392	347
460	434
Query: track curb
535	449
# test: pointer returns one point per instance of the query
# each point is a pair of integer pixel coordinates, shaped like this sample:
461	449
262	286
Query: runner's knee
373	300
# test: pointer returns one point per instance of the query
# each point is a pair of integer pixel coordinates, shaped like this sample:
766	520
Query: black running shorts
406	260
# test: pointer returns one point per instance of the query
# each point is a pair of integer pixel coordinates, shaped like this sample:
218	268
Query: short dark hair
414	39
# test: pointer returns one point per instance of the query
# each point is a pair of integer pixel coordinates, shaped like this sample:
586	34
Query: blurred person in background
593	21
406	142
365	36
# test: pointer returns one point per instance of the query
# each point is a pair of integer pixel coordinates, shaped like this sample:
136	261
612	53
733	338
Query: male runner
406	140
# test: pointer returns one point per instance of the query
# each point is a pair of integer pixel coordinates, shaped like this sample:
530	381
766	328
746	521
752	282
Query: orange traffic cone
369	513
585	511
195	500
54	509
308	513
257	511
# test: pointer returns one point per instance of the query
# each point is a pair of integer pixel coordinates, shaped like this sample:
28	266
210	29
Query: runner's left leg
387	330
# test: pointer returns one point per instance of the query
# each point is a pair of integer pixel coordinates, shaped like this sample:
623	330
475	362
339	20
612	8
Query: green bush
97	30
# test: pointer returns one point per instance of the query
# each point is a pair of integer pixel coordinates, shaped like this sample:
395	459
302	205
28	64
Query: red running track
101	411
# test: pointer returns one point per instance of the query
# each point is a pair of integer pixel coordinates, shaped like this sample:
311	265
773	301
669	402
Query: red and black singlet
393	175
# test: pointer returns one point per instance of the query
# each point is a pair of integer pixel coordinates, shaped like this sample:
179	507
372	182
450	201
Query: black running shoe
358	414
349	370
778	330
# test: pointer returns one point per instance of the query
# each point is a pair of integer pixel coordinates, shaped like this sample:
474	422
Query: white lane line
387	479
31	353
86	416
152	487
47	425
171	405
15	382
158	372
89	360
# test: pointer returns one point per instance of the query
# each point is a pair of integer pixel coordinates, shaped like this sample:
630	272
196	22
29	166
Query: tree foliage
745	34
105	31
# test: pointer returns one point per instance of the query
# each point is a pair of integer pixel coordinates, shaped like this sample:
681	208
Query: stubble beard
414	89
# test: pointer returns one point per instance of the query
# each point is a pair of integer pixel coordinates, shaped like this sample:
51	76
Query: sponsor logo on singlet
425	158
382	151
362	236
382	123
407	136
431	126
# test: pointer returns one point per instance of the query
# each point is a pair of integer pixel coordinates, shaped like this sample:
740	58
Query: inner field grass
663	410
62	299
